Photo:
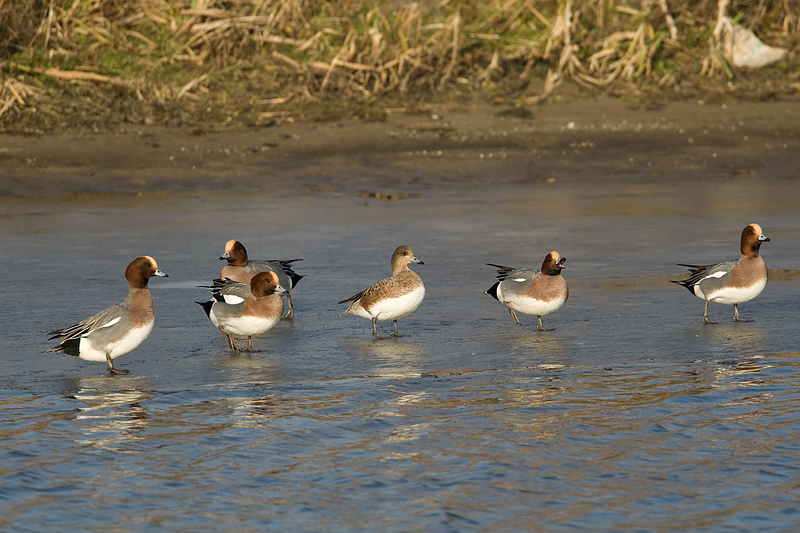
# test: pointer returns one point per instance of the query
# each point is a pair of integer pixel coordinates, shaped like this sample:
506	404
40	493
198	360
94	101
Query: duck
391	298
118	329
530	291
245	309
240	268
731	282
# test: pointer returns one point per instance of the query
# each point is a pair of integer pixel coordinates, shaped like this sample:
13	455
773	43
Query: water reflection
482	442
543	344
111	418
744	339
265	406
397	350
243	368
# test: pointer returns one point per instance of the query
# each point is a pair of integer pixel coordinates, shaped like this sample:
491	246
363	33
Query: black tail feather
492	291
690	281
206	306
353	298
68	346
684	283
287	269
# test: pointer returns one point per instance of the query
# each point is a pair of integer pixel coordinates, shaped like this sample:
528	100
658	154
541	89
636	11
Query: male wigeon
239	268
530	291
391	298
731	282
118	329
245	309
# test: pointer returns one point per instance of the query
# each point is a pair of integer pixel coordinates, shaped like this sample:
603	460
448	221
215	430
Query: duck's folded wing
700	272
229	291
522	275
354	298
278	266
103	319
369	291
502	271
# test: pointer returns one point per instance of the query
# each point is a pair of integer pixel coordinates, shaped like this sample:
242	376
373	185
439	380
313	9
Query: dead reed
156	59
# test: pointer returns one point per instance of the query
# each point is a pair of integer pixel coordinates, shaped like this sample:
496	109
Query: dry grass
101	61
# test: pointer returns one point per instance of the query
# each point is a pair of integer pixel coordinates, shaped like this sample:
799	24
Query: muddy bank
454	144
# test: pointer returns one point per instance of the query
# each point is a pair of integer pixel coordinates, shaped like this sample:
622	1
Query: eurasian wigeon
530	291
391	298
731	282
245	309
119	329
239	268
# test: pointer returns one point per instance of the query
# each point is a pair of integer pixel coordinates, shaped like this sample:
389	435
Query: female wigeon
119	329
391	298
530	291
245	309
731	282
240	268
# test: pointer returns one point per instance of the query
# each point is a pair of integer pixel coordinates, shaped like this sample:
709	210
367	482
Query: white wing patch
715	275
111	322
519	280
106	325
231	299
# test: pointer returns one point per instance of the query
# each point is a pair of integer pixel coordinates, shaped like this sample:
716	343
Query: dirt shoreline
463	144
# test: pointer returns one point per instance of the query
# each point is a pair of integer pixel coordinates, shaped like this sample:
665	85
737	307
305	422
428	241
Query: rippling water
631	415
650	446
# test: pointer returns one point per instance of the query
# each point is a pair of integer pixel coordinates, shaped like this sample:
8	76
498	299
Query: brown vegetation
69	63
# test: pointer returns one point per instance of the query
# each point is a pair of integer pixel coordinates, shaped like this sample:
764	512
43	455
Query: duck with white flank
240	268
245	309
731	282
529	291
391	298
119	329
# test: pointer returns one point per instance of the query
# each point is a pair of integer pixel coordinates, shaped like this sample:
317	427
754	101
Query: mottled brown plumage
391	298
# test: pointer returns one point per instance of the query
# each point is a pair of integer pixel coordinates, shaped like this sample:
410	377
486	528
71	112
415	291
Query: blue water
648	446
629	416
